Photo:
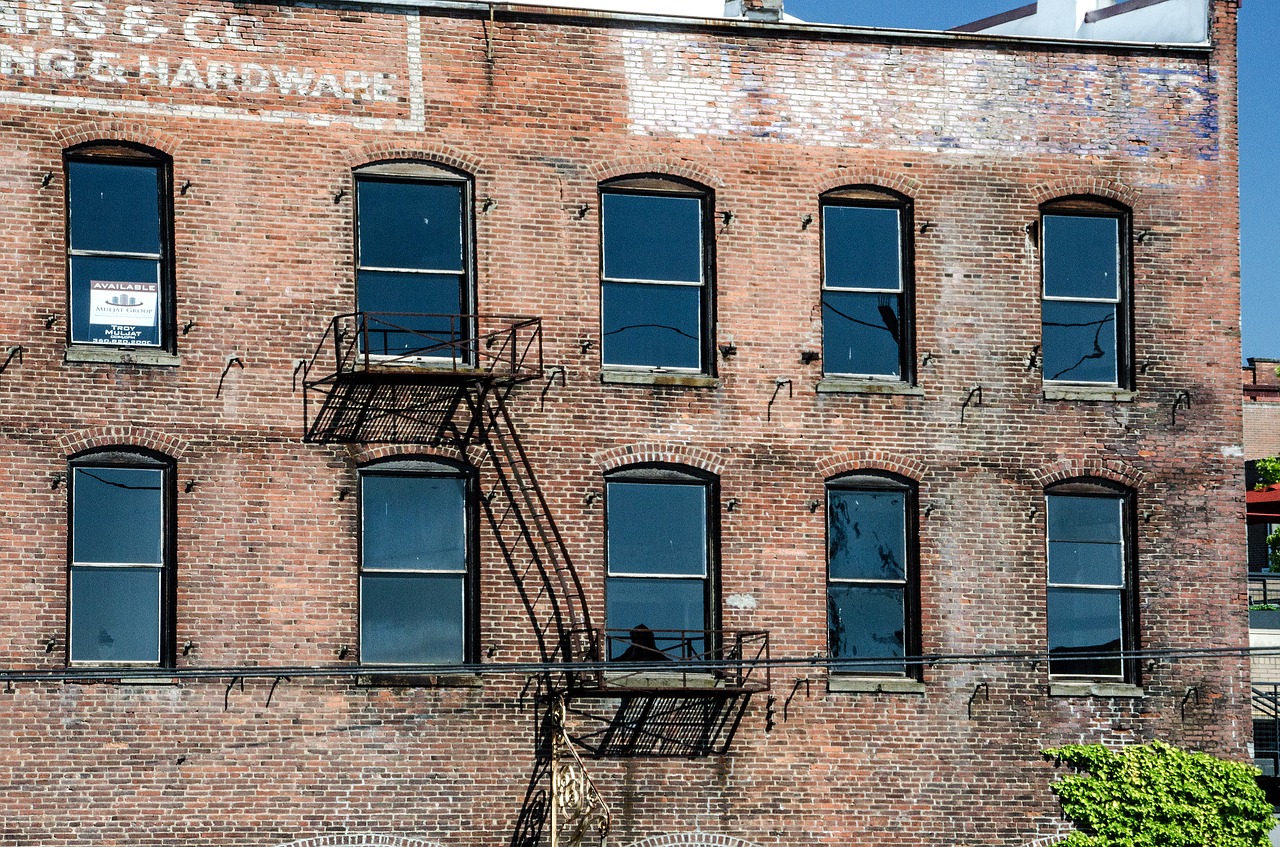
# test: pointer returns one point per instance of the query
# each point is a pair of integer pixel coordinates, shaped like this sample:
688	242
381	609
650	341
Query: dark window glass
118	563
412	276
864	322
1088	585
1084	290
116	252
869	605
657	551
653	298
415	572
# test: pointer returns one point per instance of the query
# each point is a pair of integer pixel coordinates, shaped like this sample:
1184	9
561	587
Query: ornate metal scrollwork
576	806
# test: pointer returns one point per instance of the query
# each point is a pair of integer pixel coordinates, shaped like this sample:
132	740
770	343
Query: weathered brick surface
539	107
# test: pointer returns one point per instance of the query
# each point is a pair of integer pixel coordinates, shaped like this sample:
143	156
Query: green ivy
1268	470
1155	795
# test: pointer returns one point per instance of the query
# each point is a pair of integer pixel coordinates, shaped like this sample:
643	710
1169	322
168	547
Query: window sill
839	684
842	385
115	355
147	681
1089	392
1095	689
423	680
658	378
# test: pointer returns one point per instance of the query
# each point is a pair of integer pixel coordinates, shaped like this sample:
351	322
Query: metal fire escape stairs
450	386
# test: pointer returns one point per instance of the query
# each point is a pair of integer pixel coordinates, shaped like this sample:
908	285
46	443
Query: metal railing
1266	728
1264	589
679	659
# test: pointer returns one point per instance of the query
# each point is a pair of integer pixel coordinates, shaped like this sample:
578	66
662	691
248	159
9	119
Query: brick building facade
790	288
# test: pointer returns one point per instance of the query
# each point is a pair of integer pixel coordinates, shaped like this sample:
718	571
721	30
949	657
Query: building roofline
995	20
1119	9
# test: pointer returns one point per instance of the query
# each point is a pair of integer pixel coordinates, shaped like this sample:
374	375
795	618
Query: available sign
124	312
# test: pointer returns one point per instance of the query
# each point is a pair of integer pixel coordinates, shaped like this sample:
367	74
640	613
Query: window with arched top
120	290
655	274
867	277
1086	292
121	551
1091	571
872	576
414	275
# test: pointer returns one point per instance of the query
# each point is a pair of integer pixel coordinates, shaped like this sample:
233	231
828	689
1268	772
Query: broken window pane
867	622
1079	341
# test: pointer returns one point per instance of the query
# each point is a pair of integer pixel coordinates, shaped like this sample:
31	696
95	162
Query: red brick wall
540	108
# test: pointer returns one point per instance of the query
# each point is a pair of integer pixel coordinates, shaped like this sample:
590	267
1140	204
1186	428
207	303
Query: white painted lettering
191	29
356	83
58	62
254	78
158	70
247	33
138	27
106	67
90	19
222	75
187	74
10	21
293	80
17	60
49	14
328	83
382	87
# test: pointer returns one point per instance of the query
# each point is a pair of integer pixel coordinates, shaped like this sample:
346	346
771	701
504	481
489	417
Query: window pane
115	614
115	301
660	604
117	516
652	237
1083	620
866	534
1085	540
657	529
114	207
861	333
412	619
1081	257
862	247
867	622
414	522
407	299
1079	341
410	225
654	325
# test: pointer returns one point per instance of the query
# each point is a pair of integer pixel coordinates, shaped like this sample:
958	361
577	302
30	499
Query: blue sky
1259	140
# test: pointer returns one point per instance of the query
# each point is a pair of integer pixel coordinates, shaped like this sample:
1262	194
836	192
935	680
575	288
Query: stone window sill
840	385
118	356
619	377
1089	392
423	680
838	683
1095	689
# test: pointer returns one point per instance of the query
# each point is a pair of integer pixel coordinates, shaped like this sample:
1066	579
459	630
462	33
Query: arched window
120	289
414	278
1085	314
872	577
655	272
660	553
867	276
1091	569
121	581
417	563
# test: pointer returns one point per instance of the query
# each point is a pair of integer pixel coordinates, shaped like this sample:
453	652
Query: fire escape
453	388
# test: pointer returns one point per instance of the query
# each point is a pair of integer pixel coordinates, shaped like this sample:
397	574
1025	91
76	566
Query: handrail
691	659
1264	589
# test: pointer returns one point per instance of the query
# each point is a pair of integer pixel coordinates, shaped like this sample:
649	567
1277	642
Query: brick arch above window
654	165
659	453
372	154
361	840
105	132
367	455
1111	470
1085	186
691	839
867	177
80	441
852	461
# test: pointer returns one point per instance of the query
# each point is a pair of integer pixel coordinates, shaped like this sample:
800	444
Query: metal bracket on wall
985	688
14	352
550	373
777	387
233	359
976	391
1181	400
1192	693
786	704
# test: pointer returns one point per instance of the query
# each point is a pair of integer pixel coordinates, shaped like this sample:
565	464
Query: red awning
1263	506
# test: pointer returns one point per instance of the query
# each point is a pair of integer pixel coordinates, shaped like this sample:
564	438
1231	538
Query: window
866	280
416	564
1090	603
655	296
121	582
118	256
413	276
871	593
659	554
1084	315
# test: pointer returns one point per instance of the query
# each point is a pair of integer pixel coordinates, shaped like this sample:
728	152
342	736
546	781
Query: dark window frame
419	172
1126	499
407	466
876	197
142	459
875	480
671	474
136	155
657	184
1088	206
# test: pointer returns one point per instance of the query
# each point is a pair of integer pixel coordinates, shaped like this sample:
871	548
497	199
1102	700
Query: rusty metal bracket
1192	693
300	365
272	692
226	695
550	372
985	688
233	359
777	387
15	351
786	704
1180	400
976	391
